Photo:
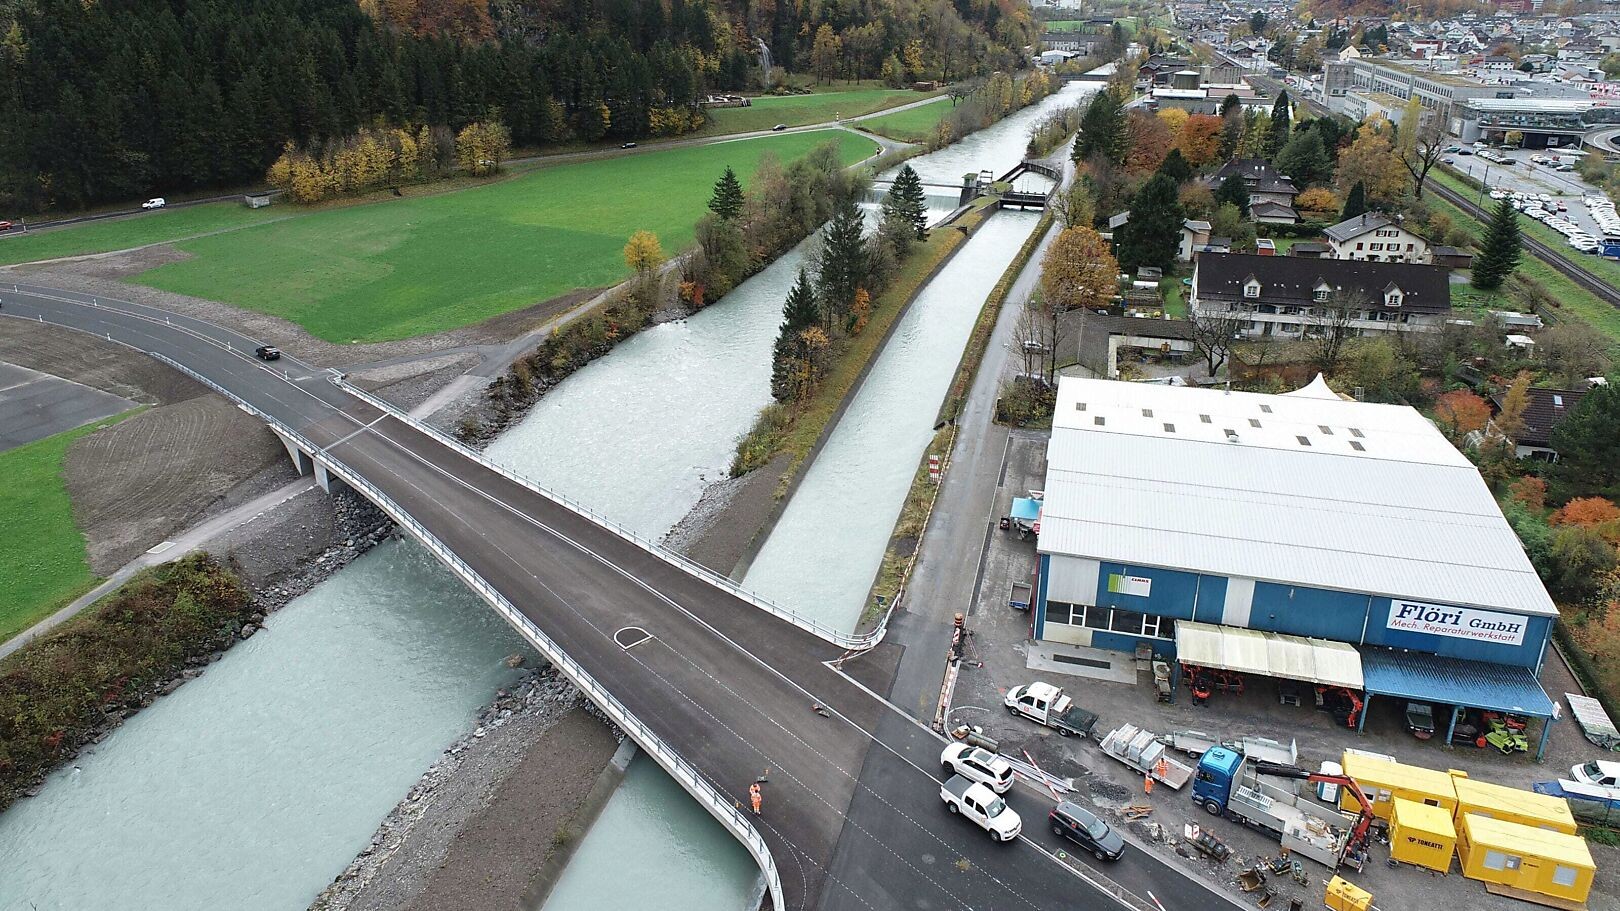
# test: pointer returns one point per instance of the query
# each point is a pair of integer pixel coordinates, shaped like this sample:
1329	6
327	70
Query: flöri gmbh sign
1456	622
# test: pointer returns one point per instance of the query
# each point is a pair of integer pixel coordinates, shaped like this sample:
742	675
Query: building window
1321	294
1097	618
1303	441
1079	406
1252	289
1563	876
1356	433
1099	420
1266	408
1360	246
1204	418
1326	430
1496	860
1254	422
1147	412
1169	428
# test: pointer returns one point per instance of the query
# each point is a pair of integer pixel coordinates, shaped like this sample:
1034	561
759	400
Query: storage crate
1422	835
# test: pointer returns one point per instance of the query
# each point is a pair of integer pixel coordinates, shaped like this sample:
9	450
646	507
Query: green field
914	125
133	231
408	267
45	564
799	110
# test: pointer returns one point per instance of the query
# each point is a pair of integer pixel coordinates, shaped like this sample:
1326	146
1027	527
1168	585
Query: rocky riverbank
482	823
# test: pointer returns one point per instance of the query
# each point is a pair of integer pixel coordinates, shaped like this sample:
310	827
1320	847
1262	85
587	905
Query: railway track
1553	258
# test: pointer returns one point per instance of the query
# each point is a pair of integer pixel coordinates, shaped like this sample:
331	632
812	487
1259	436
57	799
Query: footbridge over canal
718	686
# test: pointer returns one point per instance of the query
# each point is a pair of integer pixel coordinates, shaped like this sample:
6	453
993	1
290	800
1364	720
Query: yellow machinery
1342	896
1422	835
1383	780
1511	804
1525	862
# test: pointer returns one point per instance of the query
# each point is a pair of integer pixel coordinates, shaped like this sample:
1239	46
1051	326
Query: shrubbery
56	692
376	158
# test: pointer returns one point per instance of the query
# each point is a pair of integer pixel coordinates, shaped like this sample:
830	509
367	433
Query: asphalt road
852	812
34	405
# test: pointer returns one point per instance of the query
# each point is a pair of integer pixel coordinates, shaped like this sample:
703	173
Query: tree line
116	100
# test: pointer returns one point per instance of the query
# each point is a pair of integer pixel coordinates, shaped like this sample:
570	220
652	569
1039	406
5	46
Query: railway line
1537	248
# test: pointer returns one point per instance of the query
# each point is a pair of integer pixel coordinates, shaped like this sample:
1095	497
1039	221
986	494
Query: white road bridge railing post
712	799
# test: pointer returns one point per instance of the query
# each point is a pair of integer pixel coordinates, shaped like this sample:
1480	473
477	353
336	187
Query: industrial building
1302	537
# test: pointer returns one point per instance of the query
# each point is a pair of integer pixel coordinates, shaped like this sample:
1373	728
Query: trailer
1197	743
1018	597
1594	721
1145	752
1266	796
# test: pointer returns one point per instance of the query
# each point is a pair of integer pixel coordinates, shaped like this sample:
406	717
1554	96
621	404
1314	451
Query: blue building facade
1116	606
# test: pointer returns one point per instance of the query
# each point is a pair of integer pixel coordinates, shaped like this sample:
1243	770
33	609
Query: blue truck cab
1212	783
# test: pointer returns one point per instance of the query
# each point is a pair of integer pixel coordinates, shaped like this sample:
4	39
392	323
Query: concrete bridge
718	686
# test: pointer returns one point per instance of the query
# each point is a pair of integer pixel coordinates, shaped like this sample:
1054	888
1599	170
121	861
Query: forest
116	100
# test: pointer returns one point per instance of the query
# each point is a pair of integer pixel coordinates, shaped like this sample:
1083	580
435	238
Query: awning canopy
1026	509
1249	651
1455	681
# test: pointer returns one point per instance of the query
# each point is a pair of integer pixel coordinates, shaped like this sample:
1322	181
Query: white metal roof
1269	654
1299	489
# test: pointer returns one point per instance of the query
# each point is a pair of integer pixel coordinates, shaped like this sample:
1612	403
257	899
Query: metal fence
718	805
839	638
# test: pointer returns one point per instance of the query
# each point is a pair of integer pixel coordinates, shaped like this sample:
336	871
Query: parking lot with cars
1543	186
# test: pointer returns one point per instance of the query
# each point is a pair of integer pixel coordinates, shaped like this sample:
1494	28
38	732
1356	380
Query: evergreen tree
1499	254
727	201
1102	130
907	201
1153	233
1282	124
798	314
1176	167
1304	159
1356	203
843	262
1233	190
1587	441
1229	104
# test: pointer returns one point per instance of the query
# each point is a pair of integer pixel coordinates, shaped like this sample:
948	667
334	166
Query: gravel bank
722	526
483	820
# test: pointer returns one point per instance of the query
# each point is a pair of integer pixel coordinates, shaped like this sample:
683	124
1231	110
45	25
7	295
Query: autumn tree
643	253
1317	200
727	200
1371	160
1078	271
1586	511
1461	412
1150	140
481	147
1074	206
1422	141
826	53
1531	492
1510	417
1200	139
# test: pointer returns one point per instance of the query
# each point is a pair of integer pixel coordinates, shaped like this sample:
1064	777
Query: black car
628	145
1084	828
267	353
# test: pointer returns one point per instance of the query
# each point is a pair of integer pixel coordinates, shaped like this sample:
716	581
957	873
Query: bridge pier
329	482
302	463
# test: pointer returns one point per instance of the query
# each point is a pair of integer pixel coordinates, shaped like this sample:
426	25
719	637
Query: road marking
636	637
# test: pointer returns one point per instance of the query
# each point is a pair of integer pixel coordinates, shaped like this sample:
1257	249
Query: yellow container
1422	835
1342	896
1525	858
1512	805
1383	780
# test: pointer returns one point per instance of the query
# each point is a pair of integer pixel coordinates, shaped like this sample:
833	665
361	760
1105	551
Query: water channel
251	787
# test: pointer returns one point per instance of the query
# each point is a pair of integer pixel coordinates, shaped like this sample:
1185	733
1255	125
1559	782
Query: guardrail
718	805
839	638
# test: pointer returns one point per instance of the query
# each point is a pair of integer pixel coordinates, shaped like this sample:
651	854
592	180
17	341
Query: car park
977	764
1086	829
983	806
156	202
1601	772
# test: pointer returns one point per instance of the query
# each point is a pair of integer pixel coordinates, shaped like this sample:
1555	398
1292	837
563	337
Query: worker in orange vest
1147	784
755	797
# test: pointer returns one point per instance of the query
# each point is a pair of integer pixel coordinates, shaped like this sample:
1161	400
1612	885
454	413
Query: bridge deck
852	814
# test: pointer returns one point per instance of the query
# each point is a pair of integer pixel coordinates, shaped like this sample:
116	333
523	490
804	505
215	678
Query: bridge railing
718	804
837	637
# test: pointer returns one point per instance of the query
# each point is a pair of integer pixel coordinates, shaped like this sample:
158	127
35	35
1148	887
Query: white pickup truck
982	805
1048	705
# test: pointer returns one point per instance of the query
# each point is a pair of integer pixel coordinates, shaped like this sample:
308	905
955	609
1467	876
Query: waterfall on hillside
764	59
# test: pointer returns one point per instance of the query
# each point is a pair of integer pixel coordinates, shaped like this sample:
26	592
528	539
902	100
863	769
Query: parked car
1084	828
983	806
156	202
978	764
267	353
1420	719
1600	772
779	128
1465	151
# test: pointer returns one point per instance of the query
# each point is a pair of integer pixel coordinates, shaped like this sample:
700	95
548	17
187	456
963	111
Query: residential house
1271	193
1376	238
1293	297
1546	409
